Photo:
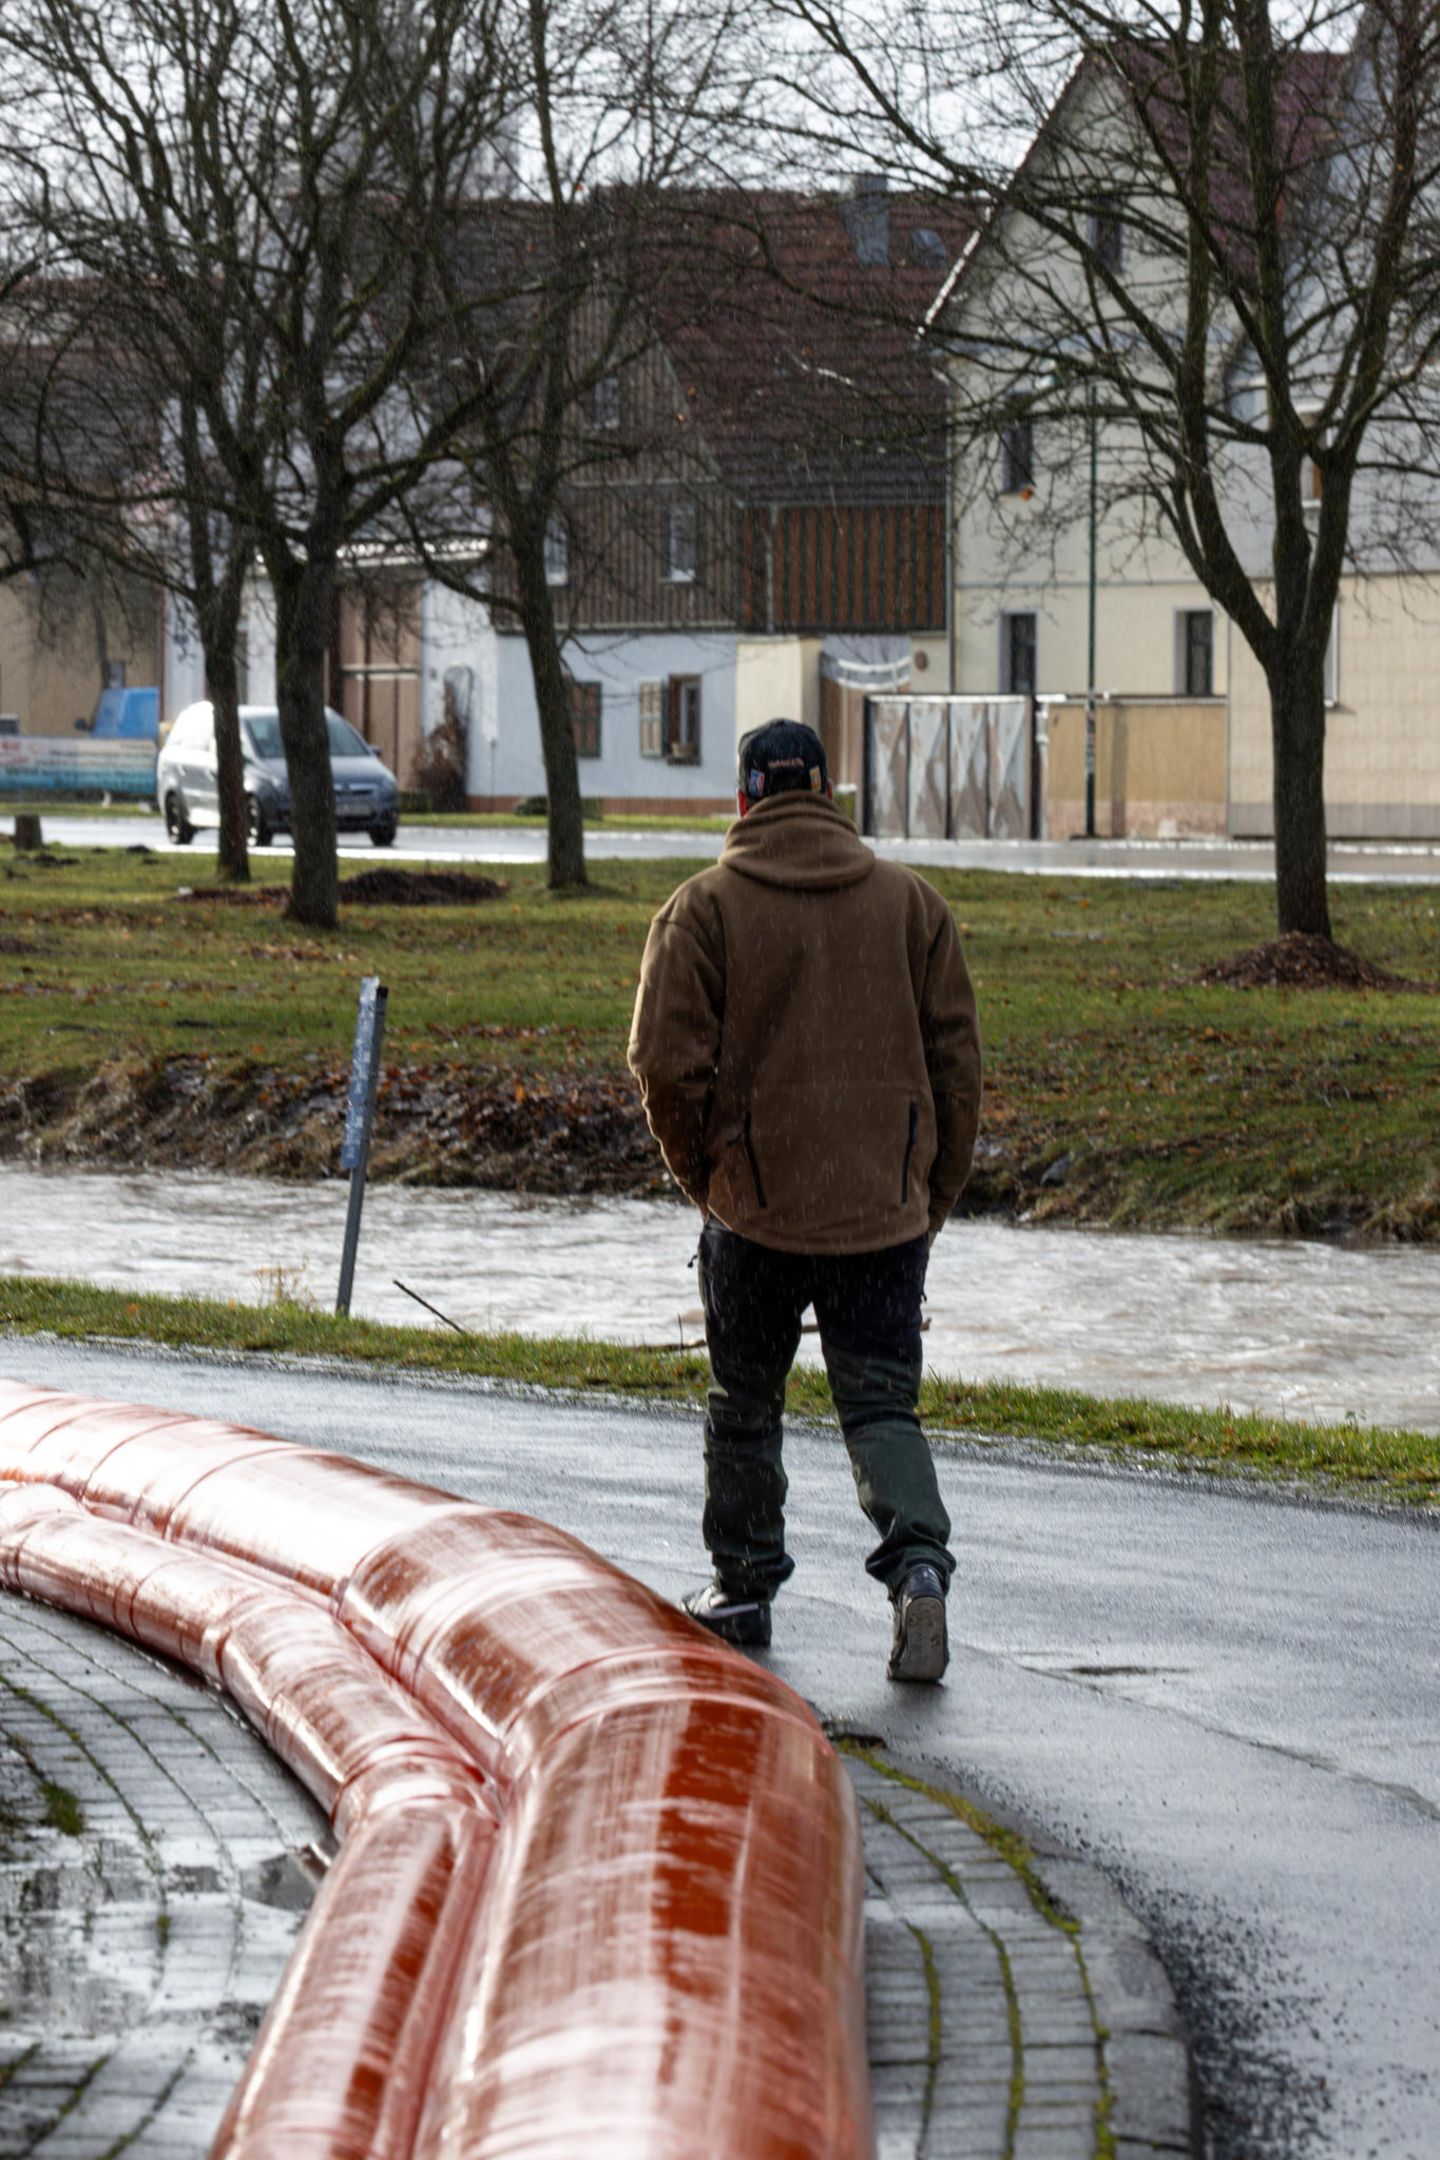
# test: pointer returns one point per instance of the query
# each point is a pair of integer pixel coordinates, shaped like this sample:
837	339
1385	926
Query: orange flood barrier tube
600	1885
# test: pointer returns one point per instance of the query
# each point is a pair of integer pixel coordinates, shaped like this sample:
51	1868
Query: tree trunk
302	643
1297	733
223	677
566	829
233	863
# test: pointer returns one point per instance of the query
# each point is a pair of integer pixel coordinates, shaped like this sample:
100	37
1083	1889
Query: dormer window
1017	458
681	544
602	404
1107	234
1312	475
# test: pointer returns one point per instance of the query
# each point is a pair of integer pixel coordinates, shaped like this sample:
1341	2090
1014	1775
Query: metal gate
940	768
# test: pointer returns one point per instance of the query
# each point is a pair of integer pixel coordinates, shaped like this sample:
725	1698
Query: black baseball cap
782	757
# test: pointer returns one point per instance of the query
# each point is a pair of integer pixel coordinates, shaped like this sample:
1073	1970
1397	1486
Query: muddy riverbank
577	1135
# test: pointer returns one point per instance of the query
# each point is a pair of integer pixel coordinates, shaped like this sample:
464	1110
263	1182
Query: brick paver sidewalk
156	1864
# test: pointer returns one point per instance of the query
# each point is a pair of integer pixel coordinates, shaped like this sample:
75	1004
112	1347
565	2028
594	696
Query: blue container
127	716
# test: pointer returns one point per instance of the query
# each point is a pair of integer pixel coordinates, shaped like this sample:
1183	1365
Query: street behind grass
140	1024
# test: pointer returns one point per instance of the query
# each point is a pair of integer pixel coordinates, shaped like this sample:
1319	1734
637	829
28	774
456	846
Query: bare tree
558	298
1211	248
257	193
108	461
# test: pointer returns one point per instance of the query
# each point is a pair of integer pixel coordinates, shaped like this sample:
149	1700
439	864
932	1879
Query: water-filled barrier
598	1884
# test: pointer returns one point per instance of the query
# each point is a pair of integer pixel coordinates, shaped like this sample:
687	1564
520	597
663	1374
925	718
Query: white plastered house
1174	678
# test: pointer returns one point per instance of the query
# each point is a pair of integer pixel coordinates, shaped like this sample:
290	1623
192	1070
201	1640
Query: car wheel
258	829
177	826
382	835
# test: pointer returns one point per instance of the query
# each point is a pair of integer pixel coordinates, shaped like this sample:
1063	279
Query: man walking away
806	1046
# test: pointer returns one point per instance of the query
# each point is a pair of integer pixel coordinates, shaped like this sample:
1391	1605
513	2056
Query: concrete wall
776	678
1160	769
183	680
1382	752
50	653
456	634
260	642
508	766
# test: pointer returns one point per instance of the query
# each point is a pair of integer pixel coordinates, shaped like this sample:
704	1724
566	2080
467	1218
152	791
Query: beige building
63	642
1382	737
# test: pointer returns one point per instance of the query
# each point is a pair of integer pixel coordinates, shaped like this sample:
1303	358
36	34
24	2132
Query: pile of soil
1301	961
370	888
418	888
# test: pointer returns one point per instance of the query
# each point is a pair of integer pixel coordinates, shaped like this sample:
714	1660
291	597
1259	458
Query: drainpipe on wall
1090	677
951	625
770	526
1229	731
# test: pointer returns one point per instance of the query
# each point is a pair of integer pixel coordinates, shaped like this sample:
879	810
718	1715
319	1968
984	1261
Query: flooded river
1305	1330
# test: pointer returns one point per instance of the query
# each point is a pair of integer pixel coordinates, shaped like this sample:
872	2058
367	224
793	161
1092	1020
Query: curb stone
1017	2009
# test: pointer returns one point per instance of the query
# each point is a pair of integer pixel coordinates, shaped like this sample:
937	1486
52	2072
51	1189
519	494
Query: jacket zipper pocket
909	1151
750	1158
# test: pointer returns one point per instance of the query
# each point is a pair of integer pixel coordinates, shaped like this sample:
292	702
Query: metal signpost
359	1119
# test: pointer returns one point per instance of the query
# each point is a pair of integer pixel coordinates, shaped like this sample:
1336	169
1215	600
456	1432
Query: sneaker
731	1615
919	1650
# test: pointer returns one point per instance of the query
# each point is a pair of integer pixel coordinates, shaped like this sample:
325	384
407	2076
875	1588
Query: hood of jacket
801	842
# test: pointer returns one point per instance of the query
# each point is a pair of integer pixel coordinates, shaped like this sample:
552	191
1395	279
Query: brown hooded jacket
805	1038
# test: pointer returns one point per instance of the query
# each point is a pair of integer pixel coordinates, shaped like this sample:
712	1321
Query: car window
344	742
263	730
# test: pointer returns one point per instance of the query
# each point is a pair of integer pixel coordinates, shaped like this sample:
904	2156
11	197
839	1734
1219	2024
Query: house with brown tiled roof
756	517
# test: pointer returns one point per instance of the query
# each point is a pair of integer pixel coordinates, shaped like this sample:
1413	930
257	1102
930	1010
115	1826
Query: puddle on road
1306	1330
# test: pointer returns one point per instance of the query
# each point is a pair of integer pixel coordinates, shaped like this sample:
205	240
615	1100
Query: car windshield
344	742
263	729
264	732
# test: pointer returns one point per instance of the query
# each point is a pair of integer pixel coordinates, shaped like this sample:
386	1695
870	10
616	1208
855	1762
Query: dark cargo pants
868	1309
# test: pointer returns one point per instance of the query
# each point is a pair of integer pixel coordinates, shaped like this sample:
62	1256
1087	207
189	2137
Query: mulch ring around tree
1301	961
385	887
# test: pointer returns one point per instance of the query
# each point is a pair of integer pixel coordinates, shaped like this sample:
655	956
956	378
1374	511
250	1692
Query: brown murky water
1305	1330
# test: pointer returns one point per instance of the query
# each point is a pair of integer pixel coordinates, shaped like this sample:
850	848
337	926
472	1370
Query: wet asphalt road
1249	861
1230	1700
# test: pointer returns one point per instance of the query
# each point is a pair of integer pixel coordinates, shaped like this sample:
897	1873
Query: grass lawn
1119	1090
1365	1463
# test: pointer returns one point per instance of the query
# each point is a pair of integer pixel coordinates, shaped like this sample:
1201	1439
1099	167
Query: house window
1197	653
1017	458
682	719
557	553
652	719
602	403
680	544
1017	655
585	716
1107	234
